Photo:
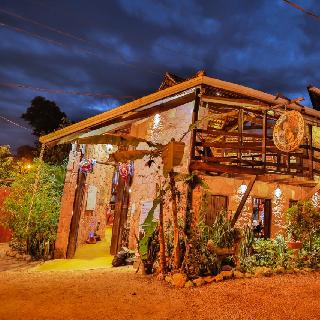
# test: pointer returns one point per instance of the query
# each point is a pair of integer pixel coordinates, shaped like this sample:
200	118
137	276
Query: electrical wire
59	91
309	13
66	34
14	123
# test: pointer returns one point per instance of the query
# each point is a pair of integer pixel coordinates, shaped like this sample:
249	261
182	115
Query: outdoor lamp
243	187
277	192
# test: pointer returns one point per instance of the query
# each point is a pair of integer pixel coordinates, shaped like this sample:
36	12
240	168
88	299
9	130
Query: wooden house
228	132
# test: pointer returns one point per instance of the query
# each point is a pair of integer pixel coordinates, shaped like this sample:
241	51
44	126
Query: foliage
221	232
149	227
199	260
193	180
7	164
26	152
38	238
264	252
303	222
44	116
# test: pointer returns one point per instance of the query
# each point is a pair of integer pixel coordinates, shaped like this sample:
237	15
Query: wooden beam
195	117
217	133
215	167
264	137
312	192
234	102
243	200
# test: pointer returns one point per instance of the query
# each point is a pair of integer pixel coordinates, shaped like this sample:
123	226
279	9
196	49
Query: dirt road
121	294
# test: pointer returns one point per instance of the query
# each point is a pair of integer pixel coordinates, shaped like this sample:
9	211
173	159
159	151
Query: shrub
303	222
36	239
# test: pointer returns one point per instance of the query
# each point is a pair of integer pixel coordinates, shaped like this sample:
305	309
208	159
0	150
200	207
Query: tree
44	116
7	165
35	232
26	152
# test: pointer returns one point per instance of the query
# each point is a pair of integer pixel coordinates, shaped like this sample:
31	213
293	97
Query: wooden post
195	116
264	138
77	210
240	130
162	253
310	152
243	200
312	192
176	243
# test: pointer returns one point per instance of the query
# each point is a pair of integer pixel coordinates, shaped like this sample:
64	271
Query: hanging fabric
86	165
123	170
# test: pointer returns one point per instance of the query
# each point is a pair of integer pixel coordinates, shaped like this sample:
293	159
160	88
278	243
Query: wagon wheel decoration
288	131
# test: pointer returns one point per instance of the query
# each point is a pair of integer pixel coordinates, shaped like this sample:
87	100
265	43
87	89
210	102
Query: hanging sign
92	198
288	131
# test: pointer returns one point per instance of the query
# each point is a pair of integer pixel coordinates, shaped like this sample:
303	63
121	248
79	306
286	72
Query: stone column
67	201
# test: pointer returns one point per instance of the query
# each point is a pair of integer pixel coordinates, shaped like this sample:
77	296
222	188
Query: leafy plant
221	232
7	164
35	232
303	222
199	260
149	227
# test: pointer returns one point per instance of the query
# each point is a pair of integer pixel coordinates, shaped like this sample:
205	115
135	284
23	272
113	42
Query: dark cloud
125	46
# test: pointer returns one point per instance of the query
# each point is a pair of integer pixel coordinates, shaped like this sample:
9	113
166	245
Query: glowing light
130	190
28	166
243	187
109	147
315	200
156	121
278	192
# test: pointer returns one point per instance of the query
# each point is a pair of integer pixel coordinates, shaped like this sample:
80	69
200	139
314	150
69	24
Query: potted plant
223	237
302	221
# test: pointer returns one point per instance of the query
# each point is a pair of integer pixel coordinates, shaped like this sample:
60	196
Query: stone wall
230	187
160	128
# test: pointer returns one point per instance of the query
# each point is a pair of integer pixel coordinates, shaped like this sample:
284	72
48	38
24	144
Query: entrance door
261	217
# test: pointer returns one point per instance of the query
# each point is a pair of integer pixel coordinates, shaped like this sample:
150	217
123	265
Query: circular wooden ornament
288	131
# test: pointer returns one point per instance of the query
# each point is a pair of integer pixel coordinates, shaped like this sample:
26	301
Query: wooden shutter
216	204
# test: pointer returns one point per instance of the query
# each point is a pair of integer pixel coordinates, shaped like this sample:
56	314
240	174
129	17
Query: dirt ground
122	294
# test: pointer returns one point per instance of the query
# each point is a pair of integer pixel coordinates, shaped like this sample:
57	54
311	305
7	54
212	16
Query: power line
309	13
59	91
14	123
54	42
66	34
10	13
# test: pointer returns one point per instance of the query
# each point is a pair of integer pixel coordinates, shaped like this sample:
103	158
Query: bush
36	239
303	222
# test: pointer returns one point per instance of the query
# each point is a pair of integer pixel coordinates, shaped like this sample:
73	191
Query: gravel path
121	294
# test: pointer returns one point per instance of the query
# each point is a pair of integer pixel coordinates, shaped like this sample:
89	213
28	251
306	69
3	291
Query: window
215	205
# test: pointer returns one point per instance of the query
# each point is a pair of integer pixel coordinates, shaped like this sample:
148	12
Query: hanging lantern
288	131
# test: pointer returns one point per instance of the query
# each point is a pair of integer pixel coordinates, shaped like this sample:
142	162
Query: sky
121	50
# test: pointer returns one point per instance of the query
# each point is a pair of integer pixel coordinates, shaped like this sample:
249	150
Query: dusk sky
123	48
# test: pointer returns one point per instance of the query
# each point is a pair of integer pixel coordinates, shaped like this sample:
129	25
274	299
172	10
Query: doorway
261	217
121	183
